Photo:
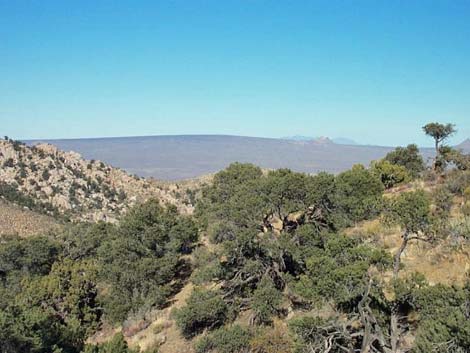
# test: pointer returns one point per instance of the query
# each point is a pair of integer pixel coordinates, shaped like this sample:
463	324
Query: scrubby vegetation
273	266
57	292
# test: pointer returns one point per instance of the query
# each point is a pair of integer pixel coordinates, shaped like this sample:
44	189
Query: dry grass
162	332
23	222
439	263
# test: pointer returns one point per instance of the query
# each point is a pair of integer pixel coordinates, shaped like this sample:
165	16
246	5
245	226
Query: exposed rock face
293	220
84	190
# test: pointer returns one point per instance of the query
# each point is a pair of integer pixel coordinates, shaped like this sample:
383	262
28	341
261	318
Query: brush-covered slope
46	179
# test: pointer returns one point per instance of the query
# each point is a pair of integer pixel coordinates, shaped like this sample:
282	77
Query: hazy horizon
293	138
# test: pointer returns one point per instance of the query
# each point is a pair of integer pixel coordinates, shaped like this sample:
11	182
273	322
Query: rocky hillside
46	179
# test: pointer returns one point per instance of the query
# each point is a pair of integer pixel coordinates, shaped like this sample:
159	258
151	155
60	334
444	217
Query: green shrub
390	174
46	175
270	340
457	181
408	157
444	319
205	309
12	194
234	339
116	345
266	301
9	163
358	194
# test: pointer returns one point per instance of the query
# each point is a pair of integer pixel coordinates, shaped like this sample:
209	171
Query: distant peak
465	145
465	142
323	140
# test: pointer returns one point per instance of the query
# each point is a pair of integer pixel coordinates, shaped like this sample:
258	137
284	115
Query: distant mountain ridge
337	140
177	157
464	145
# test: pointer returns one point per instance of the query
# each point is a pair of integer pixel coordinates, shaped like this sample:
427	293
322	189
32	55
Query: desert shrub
19	180
457	181
191	196
358	194
31	256
442	202
139	260
266	301
408	157
234	339
390	174
45	175
9	163
33	167
23	173
83	241
227	181
444	319
121	196
275	340
207	266
335	268
116	345
12	194
410	210
77	173
143	257
17	145
69	291
205	309
53	312
459	228
310	335
222	231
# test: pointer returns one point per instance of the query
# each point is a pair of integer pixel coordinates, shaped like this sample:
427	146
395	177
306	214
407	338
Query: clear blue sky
374	71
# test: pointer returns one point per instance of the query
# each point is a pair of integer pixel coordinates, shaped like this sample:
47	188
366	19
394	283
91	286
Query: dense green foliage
141	258
235	339
204	309
390	174
411	211
50	299
358	194
407	157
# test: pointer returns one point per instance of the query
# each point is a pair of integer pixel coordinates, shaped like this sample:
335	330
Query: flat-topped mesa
64	183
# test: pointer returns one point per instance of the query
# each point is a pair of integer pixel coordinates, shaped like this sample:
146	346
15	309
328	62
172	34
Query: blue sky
374	71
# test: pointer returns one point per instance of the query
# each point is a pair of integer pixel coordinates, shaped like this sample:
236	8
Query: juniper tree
440	133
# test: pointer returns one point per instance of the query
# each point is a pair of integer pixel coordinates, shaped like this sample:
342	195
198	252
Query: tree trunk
394	329
397	258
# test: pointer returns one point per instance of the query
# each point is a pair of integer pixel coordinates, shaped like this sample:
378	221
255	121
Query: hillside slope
17	220
54	182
